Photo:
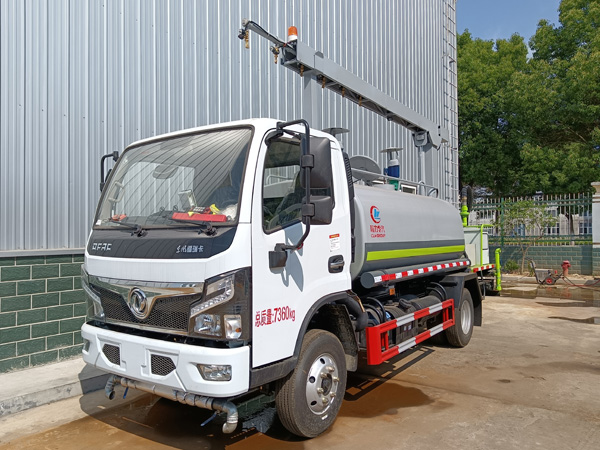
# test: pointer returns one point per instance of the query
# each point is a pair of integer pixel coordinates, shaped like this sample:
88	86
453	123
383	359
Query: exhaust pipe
109	390
200	401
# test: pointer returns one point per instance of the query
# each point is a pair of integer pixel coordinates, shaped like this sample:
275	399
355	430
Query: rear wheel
309	398
460	334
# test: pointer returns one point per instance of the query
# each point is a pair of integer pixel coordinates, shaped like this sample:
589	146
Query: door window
282	193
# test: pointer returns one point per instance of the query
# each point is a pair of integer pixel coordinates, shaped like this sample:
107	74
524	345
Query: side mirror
278	257
317	209
320	210
321	176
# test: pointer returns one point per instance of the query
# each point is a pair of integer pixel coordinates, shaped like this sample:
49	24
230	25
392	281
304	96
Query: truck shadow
145	419
370	392
150	422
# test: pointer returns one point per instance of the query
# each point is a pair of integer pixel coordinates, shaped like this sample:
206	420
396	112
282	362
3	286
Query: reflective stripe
394	254
410	273
378	349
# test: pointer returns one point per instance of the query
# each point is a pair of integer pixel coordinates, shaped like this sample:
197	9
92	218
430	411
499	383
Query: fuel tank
397	229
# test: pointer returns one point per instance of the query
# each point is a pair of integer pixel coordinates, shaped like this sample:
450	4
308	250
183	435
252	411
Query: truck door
282	297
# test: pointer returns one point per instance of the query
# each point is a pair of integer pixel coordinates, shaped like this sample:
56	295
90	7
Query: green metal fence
573	213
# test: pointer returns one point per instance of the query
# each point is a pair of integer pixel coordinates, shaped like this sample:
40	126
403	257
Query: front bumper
135	354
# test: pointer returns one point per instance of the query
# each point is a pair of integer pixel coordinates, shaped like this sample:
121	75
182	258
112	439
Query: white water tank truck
243	257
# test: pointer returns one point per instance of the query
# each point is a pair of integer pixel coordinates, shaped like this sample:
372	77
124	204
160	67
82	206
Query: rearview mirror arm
278	256
114	155
306	162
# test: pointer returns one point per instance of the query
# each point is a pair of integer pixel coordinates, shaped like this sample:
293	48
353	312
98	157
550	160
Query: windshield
173	182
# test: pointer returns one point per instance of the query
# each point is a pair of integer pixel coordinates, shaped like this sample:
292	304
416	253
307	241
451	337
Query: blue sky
499	19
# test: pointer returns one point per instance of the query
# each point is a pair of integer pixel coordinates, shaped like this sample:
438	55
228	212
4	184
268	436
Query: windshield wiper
137	229
207	227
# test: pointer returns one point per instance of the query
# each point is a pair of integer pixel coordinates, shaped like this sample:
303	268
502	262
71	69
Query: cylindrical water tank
396	229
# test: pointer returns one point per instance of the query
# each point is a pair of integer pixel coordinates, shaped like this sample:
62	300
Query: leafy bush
511	266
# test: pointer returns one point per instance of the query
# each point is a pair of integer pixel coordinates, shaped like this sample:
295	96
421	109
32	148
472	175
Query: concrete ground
530	378
22	390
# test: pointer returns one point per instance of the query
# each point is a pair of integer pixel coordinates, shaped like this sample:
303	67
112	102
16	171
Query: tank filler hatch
365	169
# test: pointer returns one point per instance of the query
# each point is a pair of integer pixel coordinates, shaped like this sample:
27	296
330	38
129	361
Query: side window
282	193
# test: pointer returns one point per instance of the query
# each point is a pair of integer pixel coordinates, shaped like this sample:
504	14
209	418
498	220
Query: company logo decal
138	303
375	214
101	246
377	231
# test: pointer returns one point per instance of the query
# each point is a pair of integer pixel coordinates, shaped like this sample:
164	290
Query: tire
302	409
460	334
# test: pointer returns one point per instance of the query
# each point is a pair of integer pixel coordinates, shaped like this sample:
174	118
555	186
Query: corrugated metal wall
79	79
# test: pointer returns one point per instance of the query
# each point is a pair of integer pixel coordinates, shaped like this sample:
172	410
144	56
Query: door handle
336	264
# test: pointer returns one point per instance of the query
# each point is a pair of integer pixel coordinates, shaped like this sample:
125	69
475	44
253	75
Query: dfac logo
138	303
375	214
101	246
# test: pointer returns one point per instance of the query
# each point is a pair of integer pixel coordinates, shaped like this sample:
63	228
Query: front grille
112	353
172	313
161	365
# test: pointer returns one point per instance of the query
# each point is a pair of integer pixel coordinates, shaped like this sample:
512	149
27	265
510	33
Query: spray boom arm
307	62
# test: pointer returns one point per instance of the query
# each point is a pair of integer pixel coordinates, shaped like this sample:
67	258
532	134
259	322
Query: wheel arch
334	317
454	285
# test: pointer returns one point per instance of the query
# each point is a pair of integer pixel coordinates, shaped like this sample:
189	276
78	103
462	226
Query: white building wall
79	79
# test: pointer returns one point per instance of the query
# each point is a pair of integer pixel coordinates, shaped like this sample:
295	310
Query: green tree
529	125
489	138
526	222
566	61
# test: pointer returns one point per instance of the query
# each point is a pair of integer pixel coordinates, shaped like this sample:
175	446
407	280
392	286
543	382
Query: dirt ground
530	378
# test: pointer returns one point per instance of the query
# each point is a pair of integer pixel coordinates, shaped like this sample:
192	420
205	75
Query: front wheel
460	334
309	398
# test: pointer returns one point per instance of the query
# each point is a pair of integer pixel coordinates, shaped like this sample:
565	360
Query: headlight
208	324
218	292
223	312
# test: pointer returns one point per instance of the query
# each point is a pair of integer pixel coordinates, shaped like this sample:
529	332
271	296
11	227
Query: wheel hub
466	316
322	384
